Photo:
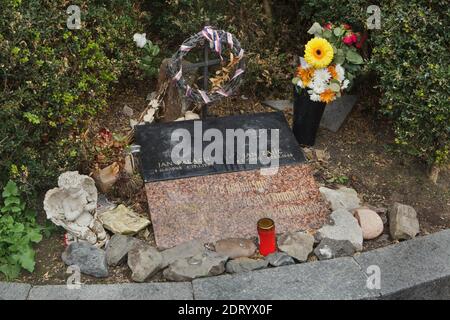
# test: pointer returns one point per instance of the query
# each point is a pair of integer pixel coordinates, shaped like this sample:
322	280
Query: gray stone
337	111
342	198
278	259
296	244
128	291
332	279
127	111
235	247
182	251
245	264
279	105
209	263
14	291
123	220
144	261
117	248
403	222
345	227
329	248
91	260
413	269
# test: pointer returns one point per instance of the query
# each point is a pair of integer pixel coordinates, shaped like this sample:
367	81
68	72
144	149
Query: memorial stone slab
210	202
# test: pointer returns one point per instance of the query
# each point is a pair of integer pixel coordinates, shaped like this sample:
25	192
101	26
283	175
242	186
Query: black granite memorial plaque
157	143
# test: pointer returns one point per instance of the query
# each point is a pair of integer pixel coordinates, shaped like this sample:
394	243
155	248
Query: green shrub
18	231
410	57
54	80
267	44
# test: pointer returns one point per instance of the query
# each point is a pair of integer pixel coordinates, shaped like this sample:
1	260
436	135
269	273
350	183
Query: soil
359	155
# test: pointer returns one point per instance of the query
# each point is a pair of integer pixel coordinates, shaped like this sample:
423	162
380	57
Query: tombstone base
214	207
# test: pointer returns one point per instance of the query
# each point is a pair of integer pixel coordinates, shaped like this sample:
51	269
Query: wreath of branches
223	84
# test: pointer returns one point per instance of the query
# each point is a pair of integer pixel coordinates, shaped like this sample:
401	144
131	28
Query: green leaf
335	87
338	32
26	260
326	34
11	271
339	57
10	190
12	200
295	80
354	57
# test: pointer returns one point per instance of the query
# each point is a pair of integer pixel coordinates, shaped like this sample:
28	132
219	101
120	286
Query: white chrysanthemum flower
340	72
140	39
314	97
300	83
345	84
318	86
321	76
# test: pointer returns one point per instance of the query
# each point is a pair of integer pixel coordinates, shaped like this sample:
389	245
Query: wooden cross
205	64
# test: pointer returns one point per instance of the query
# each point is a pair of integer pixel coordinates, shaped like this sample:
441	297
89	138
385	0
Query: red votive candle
267	238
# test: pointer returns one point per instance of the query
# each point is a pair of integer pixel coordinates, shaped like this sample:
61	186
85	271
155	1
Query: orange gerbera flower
332	71
305	74
327	96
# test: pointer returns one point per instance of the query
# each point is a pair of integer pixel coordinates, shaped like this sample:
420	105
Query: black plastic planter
307	115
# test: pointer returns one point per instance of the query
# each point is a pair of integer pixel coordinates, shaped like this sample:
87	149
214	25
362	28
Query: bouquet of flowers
330	62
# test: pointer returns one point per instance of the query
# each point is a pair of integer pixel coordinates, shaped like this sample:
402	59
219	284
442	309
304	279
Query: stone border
414	269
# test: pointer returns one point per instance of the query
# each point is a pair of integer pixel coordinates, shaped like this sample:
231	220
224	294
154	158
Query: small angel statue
73	206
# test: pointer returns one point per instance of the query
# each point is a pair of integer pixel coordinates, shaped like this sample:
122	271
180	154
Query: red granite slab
219	206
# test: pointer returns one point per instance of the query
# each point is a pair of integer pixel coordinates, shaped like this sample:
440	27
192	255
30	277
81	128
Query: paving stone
14	291
413	269
130	291
332	279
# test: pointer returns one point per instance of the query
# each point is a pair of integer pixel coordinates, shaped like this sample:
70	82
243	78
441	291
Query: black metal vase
307	116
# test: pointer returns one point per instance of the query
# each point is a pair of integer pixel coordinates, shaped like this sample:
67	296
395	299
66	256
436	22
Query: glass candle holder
267	238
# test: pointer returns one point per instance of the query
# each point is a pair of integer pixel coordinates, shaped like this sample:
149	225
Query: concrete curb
414	269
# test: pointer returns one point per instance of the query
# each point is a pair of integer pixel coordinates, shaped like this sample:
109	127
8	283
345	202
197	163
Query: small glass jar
267	237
